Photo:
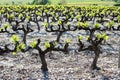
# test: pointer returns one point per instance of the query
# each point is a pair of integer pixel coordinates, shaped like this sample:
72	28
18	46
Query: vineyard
50	37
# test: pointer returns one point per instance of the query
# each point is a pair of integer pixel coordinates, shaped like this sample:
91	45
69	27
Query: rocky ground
73	66
24	66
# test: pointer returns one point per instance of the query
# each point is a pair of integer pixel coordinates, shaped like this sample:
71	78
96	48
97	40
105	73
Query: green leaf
102	36
46	11
97	25
112	23
102	13
98	36
79	24
85	24
87	37
92	14
68	23
72	16
118	24
68	41
11	16
80	37
7	25
22	46
107	25
106	38
14	53
20	15
78	16
52	13
7	15
45	24
33	44
18	49
59	22
2	11
38	13
118	18
52	23
66	16
14	38
64	12
55	43
28	17
47	45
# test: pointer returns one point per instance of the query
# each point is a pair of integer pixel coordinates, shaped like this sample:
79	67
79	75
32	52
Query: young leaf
96	25
52	23
20	15
85	24
46	11
98	36
7	25
105	38
38	13
45	24
118	18
68	41
59	22
107	25
28	17
87	37
55	43
47	45
79	24
21	46
14	38
14	53
80	37
33	44
78	16
11	16
68	23
112	23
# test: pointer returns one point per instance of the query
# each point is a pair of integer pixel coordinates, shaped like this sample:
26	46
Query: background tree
37	2
117	1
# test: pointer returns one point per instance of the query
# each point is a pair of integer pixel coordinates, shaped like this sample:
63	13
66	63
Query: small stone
1	67
19	79
22	71
93	76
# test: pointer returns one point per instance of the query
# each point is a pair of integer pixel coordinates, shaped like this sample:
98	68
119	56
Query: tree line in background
43	2
37	2
117	1
40	2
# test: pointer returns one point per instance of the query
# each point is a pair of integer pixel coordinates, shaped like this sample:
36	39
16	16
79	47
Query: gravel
72	66
25	66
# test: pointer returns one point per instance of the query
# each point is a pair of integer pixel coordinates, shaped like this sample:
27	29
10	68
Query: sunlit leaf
14	38
80	37
33	44
47	45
